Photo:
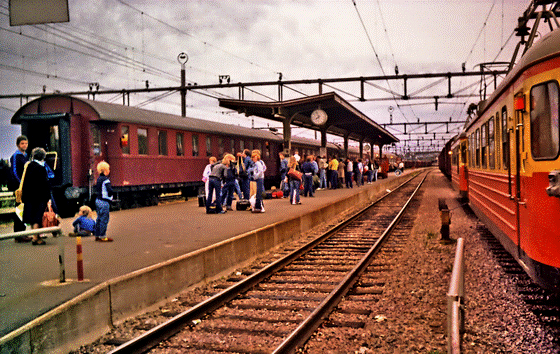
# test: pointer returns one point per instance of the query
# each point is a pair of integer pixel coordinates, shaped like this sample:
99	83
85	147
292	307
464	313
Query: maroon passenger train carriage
149	152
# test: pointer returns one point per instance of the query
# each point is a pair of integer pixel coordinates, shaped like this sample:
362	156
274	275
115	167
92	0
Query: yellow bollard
79	258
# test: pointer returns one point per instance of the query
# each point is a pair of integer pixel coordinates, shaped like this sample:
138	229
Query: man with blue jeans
217	175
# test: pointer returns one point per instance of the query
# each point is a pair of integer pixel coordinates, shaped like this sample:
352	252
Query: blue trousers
348	178
102	208
334	179
214	184
308	185
294	191
245	188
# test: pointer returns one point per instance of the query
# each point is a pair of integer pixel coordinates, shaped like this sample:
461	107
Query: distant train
149	152
507	162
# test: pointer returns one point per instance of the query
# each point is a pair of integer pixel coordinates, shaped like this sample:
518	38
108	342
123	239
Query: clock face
319	117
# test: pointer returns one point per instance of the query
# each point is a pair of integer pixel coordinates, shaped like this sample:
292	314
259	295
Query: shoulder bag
295	174
18	193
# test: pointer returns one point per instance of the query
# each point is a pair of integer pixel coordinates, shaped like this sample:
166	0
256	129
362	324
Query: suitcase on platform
201	200
242	204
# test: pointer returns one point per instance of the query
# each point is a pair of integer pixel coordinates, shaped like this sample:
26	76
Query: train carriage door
52	133
100	149
518	130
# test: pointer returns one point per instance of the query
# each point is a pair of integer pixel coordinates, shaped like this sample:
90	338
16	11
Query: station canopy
343	118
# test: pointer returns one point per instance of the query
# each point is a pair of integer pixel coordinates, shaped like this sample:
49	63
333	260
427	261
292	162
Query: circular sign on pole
182	58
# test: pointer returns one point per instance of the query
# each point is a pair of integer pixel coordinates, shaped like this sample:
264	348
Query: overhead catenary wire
376	56
206	43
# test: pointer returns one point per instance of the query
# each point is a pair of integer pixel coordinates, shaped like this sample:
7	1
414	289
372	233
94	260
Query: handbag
295	174
49	217
19	192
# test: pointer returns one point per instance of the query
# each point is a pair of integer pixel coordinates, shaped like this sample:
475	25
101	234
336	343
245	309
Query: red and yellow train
507	162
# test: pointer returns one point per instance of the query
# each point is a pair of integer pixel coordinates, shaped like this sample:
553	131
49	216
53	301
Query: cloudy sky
123	44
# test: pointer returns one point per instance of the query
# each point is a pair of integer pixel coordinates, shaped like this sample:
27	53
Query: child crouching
84	225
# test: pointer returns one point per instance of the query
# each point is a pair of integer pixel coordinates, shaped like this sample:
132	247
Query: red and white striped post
79	258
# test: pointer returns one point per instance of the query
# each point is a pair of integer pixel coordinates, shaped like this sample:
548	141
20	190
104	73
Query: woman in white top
212	160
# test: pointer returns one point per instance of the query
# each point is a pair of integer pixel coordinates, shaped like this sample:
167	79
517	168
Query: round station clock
319	117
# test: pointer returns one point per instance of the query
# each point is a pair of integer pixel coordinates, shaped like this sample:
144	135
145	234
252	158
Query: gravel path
411	316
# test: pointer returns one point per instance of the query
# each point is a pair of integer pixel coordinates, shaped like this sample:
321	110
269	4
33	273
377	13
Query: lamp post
182	58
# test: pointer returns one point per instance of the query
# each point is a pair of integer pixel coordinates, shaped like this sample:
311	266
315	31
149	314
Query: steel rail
306	329
156	335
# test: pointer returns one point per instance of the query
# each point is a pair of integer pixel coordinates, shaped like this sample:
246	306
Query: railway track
278	308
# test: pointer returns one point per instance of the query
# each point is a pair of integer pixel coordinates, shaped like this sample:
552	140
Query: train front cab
512	152
537	151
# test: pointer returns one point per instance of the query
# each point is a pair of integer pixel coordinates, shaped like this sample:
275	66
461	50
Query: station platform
143	238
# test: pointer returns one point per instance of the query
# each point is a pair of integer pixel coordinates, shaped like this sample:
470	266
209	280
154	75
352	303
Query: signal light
519	103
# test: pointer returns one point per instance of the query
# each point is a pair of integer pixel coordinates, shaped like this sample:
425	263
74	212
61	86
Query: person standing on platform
283	171
294	182
322	172
247	163
211	161
333	168
316	180
375	166
349	171
217	175
358	172
307	170
36	192
103	202
259	168
17	165
341	171
296	155
229	182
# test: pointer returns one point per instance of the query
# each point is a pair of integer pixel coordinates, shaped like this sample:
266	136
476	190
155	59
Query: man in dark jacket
17	164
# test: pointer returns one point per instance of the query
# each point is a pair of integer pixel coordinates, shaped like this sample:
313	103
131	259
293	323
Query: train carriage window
241	145
464	153
125	146
250	145
497	139
266	149
483	145
505	140
179	142
471	150
96	134
477	148
208	146
259	147
142	141
195	148
232	145
220	146
162	142
544	121
491	146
